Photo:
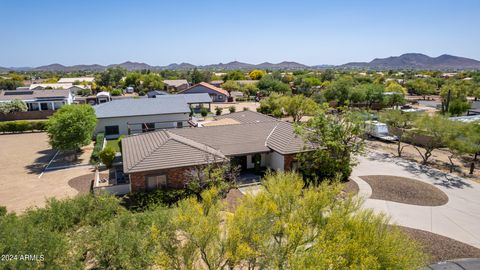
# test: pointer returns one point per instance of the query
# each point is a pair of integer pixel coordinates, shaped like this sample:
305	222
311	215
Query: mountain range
405	61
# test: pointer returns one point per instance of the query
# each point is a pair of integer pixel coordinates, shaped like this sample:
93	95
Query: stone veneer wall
288	160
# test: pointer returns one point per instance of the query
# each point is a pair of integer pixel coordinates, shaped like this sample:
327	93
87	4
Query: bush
218	110
22	126
99	140
204	112
3	211
85	92
116	92
107	155
141	201
232	109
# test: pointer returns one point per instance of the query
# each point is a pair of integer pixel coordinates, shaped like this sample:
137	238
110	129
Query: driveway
459	219
22	184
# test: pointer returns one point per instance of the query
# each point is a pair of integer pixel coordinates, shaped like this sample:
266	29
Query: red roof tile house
217	94
162	159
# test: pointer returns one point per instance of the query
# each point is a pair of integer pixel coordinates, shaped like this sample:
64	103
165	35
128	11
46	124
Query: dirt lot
439	159
252	106
22	183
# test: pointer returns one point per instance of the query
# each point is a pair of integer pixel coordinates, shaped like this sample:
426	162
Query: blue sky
209	31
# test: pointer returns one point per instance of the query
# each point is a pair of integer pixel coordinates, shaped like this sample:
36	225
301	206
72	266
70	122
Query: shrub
95	158
107	155
3	211
218	110
204	112
116	92
246	109
232	109
85	92
22	126
141	201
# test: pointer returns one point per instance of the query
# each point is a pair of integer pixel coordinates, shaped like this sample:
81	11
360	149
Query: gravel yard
441	248
350	187
404	190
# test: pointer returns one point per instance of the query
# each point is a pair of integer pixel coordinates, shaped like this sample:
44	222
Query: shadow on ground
41	162
441	178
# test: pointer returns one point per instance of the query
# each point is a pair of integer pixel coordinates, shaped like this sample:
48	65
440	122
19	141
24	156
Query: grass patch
115	144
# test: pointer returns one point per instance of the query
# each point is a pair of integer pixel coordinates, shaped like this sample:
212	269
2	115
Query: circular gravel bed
404	190
441	248
350	187
82	184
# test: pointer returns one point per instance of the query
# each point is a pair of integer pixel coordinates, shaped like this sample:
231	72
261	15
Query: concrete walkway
459	219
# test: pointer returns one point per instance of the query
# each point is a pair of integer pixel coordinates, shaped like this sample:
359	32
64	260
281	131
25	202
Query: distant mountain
404	61
417	61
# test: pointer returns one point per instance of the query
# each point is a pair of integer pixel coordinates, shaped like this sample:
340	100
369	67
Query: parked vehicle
379	131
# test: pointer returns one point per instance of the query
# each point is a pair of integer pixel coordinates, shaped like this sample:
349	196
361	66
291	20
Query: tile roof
32	95
209	86
163	150
175	83
194	146
246	117
167	104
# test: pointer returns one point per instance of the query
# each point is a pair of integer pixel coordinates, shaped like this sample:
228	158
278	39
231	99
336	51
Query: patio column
39	107
53	106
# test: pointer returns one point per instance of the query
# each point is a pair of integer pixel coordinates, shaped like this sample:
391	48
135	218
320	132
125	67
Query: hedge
22	126
99	140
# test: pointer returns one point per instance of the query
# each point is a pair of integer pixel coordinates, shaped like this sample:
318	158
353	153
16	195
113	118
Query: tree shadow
41	162
440	178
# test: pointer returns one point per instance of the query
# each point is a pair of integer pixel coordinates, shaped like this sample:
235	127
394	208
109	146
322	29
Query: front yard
22	184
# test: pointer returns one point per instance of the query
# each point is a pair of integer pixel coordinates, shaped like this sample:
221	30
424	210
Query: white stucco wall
166	121
275	161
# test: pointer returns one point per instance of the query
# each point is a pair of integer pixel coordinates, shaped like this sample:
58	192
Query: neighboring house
42	86
217	94
155	93
67	86
76	79
216	83
175	85
162	159
39	100
131	116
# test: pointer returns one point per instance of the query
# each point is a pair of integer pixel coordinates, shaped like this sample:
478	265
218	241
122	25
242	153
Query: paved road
459	219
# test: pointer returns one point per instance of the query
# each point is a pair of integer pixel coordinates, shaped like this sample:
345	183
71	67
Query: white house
131	116
39	100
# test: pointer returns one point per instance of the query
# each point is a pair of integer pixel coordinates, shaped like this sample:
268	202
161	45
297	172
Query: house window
220	97
179	124
156	181
111	130
146	127
44	106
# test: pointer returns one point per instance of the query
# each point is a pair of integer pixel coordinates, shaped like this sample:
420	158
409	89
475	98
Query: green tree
463	138
71	127
15	105
230	86
298	106
435	128
111	77
339	90
271	105
269	84
401	122
421	87
336	137
234	75
152	81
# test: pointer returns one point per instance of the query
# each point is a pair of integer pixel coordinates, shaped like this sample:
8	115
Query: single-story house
162	159
217	94
76	79
175	85
67	86
39	100
155	93
137	115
